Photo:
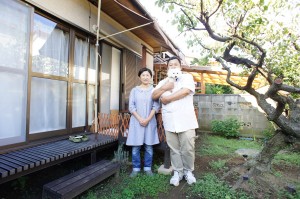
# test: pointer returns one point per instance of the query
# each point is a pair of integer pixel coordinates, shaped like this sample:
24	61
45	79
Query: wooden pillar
156	74
202	84
144	56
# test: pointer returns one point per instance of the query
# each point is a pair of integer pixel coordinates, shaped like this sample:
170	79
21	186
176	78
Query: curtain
106	78
50	49
78	105
92	66
115	80
91	97
14	51
48	105
80	59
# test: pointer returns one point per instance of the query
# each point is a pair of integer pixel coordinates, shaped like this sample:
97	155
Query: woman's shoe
134	174
149	173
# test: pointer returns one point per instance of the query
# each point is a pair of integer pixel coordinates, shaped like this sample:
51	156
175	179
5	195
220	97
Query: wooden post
93	157
202	84
144	56
167	157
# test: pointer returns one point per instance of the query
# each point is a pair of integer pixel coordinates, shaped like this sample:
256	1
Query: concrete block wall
242	107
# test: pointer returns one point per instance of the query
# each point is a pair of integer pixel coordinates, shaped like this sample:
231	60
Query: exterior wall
243	107
83	14
149	61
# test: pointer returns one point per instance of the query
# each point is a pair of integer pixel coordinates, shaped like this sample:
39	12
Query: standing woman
142	126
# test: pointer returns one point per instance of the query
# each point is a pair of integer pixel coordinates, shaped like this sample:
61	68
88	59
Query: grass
141	186
209	186
217	165
288	158
216	145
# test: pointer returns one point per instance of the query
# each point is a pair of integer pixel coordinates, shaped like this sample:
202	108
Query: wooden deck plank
23	161
56	184
52	156
59	147
57	155
27	159
73	184
10	169
37	161
36	154
17	168
18	165
23	158
3	173
88	181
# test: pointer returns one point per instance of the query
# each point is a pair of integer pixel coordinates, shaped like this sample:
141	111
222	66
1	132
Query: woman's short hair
172	58
143	70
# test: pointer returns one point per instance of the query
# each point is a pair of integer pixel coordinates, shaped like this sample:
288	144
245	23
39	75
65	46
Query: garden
220	162
217	168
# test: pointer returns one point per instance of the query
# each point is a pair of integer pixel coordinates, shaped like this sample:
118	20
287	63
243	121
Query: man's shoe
176	178
149	173
134	174
189	177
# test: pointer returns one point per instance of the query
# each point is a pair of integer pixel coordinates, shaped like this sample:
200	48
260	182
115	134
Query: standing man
179	121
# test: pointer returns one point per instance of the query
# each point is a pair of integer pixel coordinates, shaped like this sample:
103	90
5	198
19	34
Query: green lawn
216	145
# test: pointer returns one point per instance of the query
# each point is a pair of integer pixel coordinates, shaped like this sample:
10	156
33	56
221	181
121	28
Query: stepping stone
248	152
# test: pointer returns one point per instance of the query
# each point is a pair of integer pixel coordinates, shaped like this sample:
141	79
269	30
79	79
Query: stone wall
242	107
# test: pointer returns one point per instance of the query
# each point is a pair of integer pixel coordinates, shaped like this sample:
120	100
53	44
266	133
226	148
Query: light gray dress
140	100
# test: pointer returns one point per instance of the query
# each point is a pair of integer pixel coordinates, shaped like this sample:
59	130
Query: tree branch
218	7
234	59
228	80
190	20
242	17
263	52
296	46
251	78
179	4
290	89
204	19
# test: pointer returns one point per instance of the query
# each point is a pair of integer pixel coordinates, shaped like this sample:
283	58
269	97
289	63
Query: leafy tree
217	89
263	38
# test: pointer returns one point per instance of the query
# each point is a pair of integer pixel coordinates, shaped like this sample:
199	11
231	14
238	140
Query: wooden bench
75	183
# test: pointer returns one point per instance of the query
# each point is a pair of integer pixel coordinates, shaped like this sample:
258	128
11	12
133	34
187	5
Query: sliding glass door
14	50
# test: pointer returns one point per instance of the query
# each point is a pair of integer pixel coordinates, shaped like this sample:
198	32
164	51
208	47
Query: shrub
268	133
228	127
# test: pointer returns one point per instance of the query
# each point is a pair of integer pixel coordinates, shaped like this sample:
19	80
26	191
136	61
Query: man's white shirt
179	115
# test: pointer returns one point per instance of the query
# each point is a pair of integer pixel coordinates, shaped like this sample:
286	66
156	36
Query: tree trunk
263	162
273	146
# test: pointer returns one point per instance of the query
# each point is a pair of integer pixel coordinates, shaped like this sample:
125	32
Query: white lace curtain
14	50
80	59
48	100
50	51
48	105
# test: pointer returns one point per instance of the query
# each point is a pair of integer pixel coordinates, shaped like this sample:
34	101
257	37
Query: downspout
97	57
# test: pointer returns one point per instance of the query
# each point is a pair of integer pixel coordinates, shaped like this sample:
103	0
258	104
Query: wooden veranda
112	129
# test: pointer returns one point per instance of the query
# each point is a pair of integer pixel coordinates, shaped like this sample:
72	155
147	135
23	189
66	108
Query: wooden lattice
160	128
108	124
115	124
124	119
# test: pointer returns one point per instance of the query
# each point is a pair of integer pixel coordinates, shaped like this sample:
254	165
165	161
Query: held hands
143	122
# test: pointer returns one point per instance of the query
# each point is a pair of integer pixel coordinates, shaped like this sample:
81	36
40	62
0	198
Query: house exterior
48	70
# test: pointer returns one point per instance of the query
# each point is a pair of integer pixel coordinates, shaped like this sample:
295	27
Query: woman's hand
144	122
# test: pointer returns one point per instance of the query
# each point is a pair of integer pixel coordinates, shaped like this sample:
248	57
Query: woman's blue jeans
136	157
